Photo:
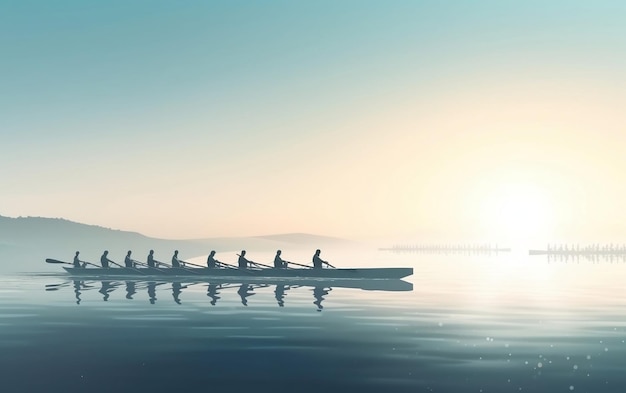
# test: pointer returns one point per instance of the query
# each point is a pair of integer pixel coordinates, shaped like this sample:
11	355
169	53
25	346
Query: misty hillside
25	242
304	239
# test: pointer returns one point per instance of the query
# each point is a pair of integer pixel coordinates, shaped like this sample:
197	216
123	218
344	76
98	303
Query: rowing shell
365	273
393	285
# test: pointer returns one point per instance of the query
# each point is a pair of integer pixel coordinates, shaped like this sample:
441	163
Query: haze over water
301	125
505	323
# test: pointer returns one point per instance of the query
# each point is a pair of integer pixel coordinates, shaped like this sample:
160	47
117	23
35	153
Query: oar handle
116	264
146	265
172	267
191	264
298	264
260	264
226	265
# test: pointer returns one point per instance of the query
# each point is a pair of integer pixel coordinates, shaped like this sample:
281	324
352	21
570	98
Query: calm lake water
505	323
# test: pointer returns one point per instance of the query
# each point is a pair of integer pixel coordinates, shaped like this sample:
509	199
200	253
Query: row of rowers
211	263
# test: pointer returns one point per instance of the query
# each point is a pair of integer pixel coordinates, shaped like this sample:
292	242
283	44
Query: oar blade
50	260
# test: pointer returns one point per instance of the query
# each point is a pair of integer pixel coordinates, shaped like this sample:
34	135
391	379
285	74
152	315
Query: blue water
470	324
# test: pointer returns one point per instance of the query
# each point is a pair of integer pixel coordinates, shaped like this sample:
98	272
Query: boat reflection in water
215	290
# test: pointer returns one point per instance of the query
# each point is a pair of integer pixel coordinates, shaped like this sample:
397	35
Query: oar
258	264
172	267
298	264
192	264
148	266
233	267
226	265
204	267
124	267
49	260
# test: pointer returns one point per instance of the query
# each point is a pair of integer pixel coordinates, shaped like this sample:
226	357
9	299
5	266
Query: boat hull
365	273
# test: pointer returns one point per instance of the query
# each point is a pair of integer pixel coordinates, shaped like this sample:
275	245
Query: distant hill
25	242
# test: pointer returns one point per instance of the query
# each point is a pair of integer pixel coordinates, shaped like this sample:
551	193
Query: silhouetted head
278	252
151	252
105	252
77	253
212	252
243	252
175	252
128	253
317	252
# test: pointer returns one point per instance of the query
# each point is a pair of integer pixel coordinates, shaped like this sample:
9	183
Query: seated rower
151	262
128	262
279	263
78	262
175	261
211	262
104	260
317	261
243	262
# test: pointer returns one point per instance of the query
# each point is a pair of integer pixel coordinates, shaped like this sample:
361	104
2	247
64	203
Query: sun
518	212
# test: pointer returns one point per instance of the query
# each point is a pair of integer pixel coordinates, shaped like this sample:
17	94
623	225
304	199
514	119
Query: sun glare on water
518	213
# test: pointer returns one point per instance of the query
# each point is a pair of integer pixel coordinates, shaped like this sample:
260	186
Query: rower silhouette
212	293
243	262
77	262
152	292
175	261
211	262
104	260
130	289
317	261
244	291
319	293
128	261
279	263
151	262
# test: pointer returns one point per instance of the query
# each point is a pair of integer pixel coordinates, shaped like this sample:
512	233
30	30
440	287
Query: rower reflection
217	288
77	286
152	292
176	291
279	293
318	293
244	291
130	289
106	289
212	293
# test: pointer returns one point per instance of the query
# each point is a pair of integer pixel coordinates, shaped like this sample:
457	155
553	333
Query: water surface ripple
480	325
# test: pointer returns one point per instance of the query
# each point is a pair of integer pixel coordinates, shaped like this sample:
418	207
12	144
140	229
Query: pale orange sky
503	124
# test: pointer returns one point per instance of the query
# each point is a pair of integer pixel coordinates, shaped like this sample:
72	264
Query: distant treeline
447	248
577	249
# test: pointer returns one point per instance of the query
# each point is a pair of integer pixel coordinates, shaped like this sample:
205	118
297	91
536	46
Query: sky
482	120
